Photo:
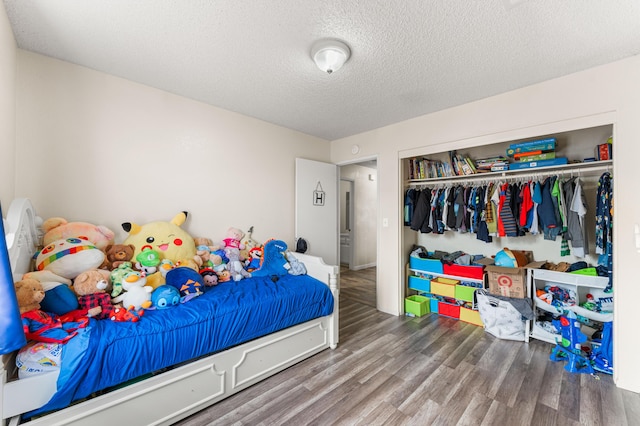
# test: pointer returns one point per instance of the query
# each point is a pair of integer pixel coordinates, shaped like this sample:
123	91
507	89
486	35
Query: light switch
385	222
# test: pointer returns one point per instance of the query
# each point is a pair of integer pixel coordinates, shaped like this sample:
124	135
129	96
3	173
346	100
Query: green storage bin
416	305
465	292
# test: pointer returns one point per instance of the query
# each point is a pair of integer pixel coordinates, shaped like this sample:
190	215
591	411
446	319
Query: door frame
349	213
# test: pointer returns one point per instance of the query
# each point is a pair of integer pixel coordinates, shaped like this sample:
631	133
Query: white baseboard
359	267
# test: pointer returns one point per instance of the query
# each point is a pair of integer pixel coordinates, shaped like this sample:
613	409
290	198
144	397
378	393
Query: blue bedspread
110	353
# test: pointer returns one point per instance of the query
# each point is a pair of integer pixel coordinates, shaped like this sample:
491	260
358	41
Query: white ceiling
409	57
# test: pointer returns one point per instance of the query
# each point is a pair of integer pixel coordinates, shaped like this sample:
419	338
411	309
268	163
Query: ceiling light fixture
330	55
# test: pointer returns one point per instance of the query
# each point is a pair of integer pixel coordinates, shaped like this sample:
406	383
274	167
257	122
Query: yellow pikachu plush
167	238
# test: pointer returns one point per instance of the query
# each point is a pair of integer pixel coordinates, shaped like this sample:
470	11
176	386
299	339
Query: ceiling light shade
330	55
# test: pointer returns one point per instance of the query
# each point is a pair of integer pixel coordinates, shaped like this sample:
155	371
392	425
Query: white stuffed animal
137	295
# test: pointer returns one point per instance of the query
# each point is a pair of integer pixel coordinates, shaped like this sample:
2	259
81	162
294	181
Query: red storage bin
472	271
449	310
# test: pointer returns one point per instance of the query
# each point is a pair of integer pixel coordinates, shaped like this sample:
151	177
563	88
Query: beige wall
102	149
602	95
365	213
7	110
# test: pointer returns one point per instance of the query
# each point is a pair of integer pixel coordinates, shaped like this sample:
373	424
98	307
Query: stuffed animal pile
83	273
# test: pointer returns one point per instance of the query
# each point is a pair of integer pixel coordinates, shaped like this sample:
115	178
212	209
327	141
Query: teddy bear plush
117	254
233	239
207	253
91	288
44	326
57	228
59	298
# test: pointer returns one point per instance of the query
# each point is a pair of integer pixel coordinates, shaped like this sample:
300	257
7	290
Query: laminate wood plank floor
431	370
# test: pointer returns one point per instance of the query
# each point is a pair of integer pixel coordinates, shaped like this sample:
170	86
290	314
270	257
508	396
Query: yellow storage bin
442	288
470	316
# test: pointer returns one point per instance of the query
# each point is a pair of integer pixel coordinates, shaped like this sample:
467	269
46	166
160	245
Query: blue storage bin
433	305
426	265
422	285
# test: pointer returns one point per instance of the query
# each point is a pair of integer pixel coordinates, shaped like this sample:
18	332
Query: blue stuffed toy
188	282
274	264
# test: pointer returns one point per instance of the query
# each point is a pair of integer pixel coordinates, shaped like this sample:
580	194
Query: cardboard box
509	282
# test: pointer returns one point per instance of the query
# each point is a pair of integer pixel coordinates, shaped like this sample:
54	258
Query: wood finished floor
390	370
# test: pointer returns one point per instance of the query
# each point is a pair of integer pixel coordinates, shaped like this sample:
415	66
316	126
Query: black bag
301	245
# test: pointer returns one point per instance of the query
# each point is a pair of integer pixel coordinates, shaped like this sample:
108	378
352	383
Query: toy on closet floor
57	228
569	348
168	238
44	326
602	353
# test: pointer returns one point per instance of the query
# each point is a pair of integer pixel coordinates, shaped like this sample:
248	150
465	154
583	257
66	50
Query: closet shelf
580	169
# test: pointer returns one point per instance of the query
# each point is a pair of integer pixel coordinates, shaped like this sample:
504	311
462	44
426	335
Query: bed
172	367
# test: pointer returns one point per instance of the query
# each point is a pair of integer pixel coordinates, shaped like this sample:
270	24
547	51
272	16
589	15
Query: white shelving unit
580	284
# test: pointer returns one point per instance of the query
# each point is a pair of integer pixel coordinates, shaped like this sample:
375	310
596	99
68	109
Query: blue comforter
109	353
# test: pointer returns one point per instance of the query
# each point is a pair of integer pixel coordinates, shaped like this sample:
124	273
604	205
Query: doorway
358	217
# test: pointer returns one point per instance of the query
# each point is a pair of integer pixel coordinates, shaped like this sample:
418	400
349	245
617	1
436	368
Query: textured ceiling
409	57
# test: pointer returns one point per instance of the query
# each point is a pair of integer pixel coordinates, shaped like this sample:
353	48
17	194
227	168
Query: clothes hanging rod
575	169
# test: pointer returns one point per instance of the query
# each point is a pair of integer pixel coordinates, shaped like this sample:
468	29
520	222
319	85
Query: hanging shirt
490	210
507	222
536	196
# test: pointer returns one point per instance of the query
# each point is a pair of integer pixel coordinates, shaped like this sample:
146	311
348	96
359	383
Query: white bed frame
172	395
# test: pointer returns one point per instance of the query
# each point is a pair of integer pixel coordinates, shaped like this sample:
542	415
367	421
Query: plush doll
273	262
117	276
209	277
255	257
69	257
137	295
57	228
188	282
117	254
223	276
248	240
147	261
234	266
233	239
44	326
90	286
206	253
59	298
295	266
164	297
168	238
